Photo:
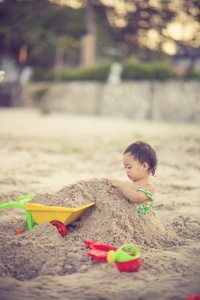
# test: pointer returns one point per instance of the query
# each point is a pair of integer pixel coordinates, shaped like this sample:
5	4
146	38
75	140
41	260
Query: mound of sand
73	196
113	220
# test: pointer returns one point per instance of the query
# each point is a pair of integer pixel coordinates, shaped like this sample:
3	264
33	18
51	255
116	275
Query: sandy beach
68	156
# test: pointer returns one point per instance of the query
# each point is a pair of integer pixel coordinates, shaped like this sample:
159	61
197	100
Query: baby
140	161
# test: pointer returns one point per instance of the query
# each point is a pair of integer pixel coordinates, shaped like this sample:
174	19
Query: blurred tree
192	10
137	27
187	24
41	26
143	26
136	24
132	25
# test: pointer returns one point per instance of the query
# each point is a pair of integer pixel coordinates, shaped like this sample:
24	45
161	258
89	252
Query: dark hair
143	152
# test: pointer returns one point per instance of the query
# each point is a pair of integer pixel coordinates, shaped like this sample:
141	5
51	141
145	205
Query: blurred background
133	58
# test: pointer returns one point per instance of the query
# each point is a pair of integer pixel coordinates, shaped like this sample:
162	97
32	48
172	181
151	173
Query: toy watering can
125	261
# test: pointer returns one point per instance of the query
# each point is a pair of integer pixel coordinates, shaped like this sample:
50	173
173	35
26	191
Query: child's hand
115	183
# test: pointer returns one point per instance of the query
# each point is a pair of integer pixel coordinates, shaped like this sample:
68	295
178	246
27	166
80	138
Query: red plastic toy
98	250
125	261
193	297
61	227
129	266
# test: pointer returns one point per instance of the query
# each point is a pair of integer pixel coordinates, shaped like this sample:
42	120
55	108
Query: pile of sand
113	220
72	196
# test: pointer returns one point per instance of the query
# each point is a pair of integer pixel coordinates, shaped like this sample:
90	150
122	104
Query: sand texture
64	160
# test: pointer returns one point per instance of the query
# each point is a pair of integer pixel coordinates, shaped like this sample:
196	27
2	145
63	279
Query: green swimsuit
145	206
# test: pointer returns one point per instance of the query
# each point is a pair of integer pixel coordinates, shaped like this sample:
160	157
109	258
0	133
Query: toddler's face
134	169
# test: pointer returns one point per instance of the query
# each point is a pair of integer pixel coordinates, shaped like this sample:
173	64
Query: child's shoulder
149	187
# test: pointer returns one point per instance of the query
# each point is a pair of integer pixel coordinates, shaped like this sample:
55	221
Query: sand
63	160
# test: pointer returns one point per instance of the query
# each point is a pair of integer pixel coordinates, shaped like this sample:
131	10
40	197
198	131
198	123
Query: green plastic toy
59	217
21	204
125	261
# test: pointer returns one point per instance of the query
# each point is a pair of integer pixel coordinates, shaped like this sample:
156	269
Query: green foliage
41	74
42	26
163	70
144	70
96	72
191	74
135	70
132	70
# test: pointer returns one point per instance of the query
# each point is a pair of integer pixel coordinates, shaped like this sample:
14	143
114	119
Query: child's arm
128	191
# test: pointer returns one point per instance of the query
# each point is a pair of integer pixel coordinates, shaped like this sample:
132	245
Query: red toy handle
98	245
89	243
97	254
98	250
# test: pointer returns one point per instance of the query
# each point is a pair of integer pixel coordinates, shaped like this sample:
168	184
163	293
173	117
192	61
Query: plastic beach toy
60	227
60	217
193	297
98	250
19	231
125	261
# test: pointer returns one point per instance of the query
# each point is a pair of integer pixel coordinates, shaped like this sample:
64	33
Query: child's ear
145	166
